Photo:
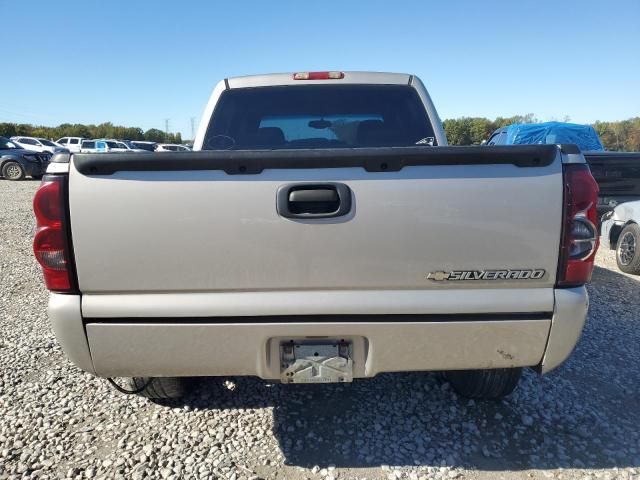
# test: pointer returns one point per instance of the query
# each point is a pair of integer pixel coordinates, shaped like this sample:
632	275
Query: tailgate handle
307	200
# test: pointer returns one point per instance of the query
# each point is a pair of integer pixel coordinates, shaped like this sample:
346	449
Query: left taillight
51	244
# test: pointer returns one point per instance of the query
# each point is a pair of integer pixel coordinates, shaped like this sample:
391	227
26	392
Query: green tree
174	138
154	135
458	131
480	129
7	129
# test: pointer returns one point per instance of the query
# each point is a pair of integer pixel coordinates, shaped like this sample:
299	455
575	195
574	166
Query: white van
72	144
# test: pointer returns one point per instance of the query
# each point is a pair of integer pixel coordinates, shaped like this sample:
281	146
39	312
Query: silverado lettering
455	275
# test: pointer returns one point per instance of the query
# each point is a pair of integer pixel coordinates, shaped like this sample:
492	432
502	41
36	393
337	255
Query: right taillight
51	244
579	241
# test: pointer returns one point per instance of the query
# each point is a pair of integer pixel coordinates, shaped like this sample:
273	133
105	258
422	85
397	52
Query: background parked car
148	146
71	143
621	232
584	136
126	147
37	144
170	147
88	146
102	145
109	145
16	162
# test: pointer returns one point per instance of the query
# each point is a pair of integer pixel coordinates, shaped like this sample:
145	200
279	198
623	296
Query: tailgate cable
129	392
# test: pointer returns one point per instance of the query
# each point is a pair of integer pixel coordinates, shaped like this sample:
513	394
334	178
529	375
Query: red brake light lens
47	204
580	237
50	244
318	75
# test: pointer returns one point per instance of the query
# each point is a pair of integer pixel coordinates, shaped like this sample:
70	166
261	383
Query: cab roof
276	79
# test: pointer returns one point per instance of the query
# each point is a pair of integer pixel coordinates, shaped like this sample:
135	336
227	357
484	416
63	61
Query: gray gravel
581	421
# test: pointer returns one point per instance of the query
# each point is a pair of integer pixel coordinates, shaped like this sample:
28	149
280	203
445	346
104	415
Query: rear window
318	116
89	144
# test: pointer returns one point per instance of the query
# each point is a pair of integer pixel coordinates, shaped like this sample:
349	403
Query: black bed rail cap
378	159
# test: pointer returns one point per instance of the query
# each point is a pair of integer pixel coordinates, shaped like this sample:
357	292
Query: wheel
157	388
627	249
12	171
484	384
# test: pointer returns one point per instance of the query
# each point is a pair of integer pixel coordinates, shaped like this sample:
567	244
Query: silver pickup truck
323	231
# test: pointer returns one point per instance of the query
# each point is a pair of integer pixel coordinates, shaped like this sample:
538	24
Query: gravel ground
581	421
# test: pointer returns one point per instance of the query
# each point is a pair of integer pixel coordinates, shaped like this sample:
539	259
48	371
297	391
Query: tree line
621	135
104	130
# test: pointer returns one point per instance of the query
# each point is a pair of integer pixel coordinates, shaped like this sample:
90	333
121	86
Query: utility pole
166	127
193	128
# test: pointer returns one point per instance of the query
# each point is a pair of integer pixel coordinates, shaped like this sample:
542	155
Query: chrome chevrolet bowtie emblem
438	276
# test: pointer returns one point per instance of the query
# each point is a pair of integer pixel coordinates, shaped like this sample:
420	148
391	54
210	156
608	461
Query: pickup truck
322	231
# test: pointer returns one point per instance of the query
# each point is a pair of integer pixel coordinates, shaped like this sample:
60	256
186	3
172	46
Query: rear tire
628	249
158	388
12	171
484	384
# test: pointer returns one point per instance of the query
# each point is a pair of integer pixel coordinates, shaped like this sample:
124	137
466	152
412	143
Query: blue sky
137	63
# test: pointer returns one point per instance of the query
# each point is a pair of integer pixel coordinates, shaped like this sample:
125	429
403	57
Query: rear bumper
212	347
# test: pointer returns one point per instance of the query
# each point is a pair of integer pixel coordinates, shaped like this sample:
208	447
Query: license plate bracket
316	362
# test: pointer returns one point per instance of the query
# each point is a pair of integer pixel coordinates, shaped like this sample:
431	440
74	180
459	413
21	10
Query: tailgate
420	219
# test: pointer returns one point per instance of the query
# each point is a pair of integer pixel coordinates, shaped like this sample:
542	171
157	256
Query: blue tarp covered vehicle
553	132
